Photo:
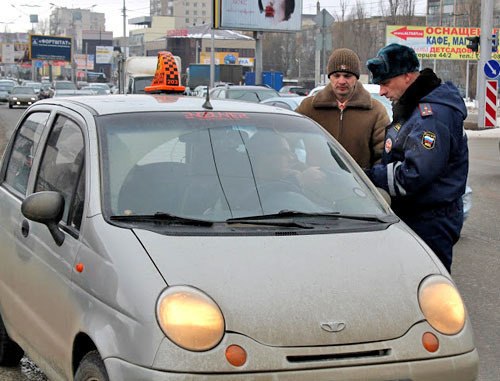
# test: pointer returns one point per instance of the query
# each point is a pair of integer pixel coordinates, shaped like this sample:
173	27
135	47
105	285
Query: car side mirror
46	208
386	196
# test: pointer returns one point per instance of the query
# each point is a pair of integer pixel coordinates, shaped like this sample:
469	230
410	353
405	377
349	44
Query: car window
23	90
23	150
65	86
62	161
223	166
244	95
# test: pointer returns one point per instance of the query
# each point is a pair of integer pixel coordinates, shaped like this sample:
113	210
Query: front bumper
21	103
457	368
403	358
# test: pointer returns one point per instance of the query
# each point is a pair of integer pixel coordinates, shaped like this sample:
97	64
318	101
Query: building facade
73	21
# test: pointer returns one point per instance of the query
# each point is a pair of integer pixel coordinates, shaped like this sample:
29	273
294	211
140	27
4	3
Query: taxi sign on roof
167	78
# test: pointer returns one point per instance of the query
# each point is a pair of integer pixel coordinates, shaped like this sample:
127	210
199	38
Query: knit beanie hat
391	61
344	60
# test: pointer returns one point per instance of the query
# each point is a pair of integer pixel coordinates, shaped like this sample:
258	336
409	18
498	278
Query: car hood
296	290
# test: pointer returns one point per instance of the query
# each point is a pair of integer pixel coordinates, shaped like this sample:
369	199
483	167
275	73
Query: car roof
117	104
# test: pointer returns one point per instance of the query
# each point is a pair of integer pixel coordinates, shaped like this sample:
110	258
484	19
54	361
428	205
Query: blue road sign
492	69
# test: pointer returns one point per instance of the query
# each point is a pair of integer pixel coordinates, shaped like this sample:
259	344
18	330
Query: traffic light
473	43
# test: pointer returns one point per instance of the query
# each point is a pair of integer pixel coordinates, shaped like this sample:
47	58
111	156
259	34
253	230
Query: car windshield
228	165
65	86
23	90
141	83
251	95
34	85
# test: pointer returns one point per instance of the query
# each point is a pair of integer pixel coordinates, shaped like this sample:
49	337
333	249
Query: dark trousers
439	228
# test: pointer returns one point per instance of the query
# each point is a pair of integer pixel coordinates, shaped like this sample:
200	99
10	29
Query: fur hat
391	61
344	60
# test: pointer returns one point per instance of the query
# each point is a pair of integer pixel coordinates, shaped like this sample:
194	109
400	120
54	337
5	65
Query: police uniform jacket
425	159
360	127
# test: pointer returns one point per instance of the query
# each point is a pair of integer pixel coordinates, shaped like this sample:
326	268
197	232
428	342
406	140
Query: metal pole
212	58
485	44
258	59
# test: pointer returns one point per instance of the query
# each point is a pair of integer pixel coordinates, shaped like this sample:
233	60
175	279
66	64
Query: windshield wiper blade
162	217
268	221
295	213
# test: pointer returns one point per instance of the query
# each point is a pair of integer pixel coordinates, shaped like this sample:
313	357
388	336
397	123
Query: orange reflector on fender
430	342
236	355
167	76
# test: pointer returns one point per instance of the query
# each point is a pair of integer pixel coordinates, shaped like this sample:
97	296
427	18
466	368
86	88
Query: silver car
161	237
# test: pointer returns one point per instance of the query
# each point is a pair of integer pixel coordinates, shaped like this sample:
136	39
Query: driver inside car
275	162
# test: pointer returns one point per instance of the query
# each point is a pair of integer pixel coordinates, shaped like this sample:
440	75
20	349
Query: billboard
436	42
228	58
51	48
103	54
84	61
258	15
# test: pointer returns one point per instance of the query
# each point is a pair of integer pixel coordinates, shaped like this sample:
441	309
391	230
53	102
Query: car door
48	267
15	173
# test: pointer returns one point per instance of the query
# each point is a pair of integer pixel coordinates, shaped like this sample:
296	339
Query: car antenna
207	103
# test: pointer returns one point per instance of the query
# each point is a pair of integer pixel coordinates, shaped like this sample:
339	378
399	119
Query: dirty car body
145	232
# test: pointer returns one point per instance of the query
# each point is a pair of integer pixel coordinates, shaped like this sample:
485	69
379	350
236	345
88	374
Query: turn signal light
236	355
430	342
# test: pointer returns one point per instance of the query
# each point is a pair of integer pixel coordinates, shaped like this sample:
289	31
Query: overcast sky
15	13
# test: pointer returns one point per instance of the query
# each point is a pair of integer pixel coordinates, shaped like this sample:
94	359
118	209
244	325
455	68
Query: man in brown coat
347	111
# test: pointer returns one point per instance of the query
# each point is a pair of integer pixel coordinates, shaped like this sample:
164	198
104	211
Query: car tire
91	368
10	352
10	106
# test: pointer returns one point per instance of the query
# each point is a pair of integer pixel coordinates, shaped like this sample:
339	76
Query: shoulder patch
397	126
425	109
428	139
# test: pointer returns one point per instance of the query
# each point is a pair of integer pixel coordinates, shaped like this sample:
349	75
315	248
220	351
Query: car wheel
91	368
10	352
10	106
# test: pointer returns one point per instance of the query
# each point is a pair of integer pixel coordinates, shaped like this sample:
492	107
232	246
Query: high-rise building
72	21
186	12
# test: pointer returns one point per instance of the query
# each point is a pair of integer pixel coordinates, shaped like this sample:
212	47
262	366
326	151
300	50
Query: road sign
324	19
492	69
490	114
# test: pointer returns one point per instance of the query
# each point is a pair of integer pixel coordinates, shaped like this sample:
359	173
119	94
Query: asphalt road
476	260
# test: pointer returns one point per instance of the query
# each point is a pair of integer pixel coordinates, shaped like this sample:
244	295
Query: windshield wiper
295	213
162	217
270	222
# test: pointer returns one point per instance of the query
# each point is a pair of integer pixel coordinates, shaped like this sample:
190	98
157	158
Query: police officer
425	159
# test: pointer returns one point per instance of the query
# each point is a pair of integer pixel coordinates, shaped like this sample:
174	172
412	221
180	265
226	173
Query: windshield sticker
216	115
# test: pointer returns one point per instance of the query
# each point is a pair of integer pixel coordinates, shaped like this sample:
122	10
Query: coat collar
326	98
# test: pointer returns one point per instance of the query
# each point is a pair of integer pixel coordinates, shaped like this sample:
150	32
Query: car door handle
25	228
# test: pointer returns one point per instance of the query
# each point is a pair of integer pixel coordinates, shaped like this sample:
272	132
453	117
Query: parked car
4	93
199	91
22	96
299	90
157	237
95	90
290	103
37	86
102	86
243	93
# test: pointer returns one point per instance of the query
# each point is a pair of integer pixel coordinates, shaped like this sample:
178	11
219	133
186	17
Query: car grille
339	356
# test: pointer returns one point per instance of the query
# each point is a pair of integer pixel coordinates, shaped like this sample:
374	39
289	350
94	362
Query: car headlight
442	304
32	99
14	99
190	318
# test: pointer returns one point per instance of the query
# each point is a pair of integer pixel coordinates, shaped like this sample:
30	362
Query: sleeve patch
428	140
425	109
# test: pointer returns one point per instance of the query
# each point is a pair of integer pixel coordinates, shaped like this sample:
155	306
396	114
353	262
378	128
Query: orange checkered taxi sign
167	78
